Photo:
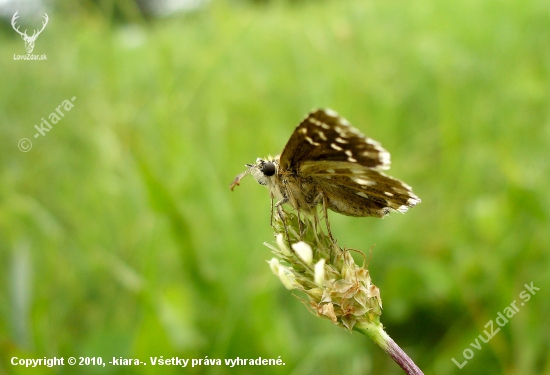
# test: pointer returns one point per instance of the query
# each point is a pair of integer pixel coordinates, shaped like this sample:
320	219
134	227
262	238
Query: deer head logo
29	40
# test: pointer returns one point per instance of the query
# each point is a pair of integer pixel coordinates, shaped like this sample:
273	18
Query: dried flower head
338	288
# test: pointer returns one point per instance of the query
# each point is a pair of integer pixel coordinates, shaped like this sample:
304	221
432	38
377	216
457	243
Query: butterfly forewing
323	135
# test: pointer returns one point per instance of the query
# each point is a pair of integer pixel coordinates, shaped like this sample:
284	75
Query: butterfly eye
268	169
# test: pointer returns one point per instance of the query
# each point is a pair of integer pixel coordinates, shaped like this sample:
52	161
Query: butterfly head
263	171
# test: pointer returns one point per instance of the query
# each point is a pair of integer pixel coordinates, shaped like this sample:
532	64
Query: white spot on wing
385	158
388	194
311	141
413	201
362	181
360	193
401	191
322	135
350	156
341	140
315	121
330	170
331	113
344	122
376	144
336	147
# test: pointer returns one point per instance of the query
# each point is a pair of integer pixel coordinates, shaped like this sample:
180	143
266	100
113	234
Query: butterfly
328	162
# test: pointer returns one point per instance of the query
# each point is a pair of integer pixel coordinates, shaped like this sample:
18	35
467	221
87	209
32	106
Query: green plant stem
376	332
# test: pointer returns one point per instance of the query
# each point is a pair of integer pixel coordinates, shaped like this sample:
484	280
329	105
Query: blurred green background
119	236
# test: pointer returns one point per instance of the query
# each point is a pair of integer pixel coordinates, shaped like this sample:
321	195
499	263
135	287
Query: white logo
29	40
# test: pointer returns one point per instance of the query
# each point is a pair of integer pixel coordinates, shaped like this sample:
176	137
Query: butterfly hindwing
354	190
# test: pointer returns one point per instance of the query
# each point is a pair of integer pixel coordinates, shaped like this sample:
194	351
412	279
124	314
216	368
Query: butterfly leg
326	218
316	223
301	226
280	212
279	208
271	219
